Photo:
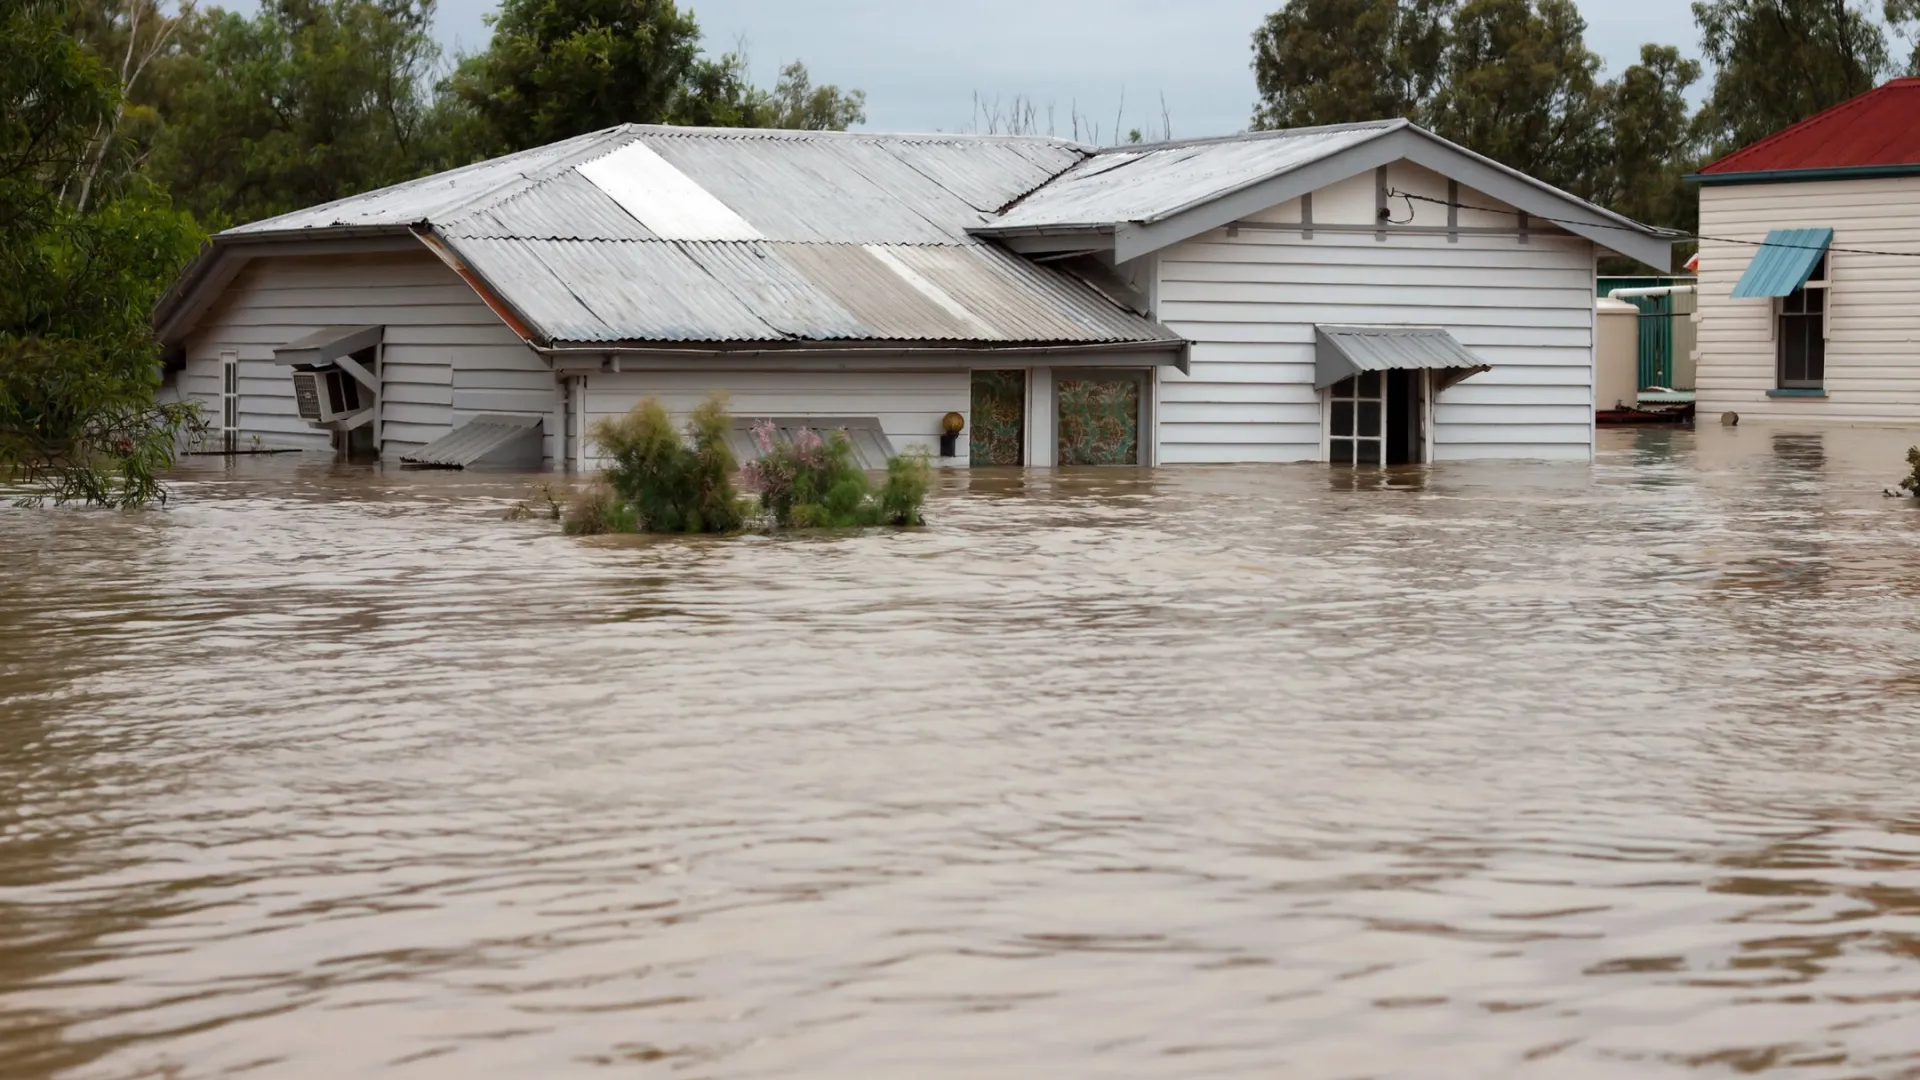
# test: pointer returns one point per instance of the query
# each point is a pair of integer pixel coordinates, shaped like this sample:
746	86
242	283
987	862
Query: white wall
909	403
1249	303
446	356
1873	344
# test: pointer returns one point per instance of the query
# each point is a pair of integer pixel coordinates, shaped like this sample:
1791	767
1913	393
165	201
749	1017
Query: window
1801	333
1356	426
230	402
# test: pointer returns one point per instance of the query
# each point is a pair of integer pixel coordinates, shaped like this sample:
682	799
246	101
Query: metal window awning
1342	351
327	344
1783	263
488	439
871	447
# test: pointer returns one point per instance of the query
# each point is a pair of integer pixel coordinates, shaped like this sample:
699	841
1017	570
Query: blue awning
1784	262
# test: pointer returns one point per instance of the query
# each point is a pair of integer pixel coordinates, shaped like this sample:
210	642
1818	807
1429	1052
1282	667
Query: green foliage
1521	87
1342	61
1653	142
306	102
559	68
669	483
813	483
598	510
1912	482
1777	62
78	363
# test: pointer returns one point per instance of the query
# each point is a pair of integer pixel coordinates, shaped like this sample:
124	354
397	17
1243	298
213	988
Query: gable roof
644	233
698	235
1147	197
1875	134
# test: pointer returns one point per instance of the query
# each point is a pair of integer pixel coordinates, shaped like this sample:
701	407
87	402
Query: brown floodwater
1482	770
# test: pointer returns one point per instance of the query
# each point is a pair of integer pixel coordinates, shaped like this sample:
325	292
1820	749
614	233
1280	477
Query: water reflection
1463	770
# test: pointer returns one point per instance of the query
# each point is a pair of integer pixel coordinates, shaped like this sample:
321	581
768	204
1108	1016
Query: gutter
1181	346
1795	176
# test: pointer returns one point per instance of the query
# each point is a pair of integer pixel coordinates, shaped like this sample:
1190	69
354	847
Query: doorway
999	418
1378	418
1100	416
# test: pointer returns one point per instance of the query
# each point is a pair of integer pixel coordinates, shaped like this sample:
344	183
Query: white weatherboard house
1266	297
1810	268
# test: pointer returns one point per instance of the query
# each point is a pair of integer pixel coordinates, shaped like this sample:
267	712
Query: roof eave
183	299
1797	176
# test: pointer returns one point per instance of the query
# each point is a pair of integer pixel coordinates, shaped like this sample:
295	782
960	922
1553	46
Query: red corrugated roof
1880	127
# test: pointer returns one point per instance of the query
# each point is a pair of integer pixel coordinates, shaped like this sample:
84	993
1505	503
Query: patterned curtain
999	417
1099	421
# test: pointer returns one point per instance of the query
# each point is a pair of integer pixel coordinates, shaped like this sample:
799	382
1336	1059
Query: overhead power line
1411	198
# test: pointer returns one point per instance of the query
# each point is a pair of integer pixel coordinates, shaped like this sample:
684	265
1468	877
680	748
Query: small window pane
1820	269
1369	384
1370	418
1343	388
1816	350
1340	451
1342	418
1794	302
1367	451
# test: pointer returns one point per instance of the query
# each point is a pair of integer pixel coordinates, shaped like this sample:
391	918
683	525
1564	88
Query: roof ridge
1252	136
804	135
1824	116
526	184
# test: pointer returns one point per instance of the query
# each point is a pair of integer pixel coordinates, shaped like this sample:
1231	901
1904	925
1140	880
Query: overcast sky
921	61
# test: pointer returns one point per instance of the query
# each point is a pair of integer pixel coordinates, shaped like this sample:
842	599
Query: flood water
1483	770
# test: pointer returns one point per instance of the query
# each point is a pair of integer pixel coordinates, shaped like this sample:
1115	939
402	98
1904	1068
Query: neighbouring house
1809	289
1359	294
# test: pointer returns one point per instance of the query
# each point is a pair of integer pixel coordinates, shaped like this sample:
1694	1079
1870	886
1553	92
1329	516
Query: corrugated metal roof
720	235
1878	129
1783	263
1340	351
1147	184
587	291
440	196
484	435
566	207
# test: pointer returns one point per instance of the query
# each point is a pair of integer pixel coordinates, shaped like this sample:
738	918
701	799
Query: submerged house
1809	293
1363	293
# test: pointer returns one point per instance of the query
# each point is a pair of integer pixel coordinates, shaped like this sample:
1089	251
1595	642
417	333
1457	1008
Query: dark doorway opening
1405	439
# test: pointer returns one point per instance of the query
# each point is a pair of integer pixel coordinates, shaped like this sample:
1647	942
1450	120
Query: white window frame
230	402
1825	285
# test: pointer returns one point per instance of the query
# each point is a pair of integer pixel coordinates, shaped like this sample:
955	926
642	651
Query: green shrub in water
663	480
813	483
1912	482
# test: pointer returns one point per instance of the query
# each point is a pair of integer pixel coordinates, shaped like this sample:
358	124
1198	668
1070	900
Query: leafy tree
1652	141
1777	62
1342	61
560	68
1522	88
144	47
307	102
78	362
718	93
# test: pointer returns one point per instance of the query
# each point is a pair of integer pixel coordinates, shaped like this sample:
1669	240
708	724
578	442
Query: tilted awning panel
871	447
1341	351
327	344
1783	262
487	439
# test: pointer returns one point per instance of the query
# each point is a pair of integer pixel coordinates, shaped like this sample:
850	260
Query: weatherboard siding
1249	297
446	355
909	403
1873	304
